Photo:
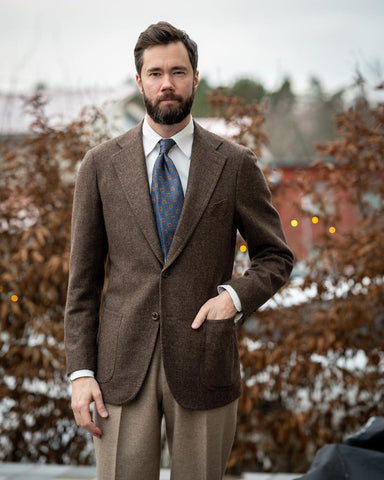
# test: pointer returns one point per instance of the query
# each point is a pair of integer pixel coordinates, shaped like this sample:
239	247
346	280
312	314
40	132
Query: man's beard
169	114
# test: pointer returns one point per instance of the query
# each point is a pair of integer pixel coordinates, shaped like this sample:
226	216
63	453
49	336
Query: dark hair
162	33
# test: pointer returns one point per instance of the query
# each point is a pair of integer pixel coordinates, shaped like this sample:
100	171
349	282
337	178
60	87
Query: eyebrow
176	67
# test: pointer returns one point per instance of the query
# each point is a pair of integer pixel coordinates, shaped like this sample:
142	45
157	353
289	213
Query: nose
167	83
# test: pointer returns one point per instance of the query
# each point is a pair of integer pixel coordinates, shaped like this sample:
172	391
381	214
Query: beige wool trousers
199	441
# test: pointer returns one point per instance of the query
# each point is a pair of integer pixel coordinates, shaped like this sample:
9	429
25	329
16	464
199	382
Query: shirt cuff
81	373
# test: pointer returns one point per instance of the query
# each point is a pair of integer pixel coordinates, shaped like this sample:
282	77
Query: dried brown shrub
313	372
37	180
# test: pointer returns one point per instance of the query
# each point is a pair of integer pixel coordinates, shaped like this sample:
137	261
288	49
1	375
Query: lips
169	98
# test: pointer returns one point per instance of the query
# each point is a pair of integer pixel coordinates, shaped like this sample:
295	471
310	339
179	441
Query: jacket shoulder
114	145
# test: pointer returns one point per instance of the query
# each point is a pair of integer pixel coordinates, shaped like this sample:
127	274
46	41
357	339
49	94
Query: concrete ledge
33	471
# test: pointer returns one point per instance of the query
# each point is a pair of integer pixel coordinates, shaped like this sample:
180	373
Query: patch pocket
218	209
220	364
107	345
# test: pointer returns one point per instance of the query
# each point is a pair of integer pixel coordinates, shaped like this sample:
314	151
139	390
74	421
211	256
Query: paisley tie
167	195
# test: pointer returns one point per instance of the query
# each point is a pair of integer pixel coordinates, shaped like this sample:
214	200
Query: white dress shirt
180	154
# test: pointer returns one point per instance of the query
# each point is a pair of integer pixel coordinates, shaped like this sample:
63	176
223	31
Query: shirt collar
183	139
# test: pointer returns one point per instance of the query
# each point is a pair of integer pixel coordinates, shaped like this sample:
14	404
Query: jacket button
165	274
155	316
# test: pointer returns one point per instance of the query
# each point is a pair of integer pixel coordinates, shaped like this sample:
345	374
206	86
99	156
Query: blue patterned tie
167	195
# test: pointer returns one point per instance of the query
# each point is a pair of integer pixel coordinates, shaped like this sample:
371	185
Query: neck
167	131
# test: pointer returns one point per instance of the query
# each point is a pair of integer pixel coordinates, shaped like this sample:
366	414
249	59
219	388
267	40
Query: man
162	204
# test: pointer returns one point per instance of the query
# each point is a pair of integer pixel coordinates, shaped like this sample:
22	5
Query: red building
309	207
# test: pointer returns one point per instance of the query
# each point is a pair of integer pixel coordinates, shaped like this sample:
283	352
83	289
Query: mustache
169	96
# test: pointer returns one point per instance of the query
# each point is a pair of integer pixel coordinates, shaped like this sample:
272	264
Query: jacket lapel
131	170
206	166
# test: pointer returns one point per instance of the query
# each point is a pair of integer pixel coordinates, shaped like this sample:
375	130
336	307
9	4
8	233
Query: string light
14	298
294	223
243	248
332	229
315	220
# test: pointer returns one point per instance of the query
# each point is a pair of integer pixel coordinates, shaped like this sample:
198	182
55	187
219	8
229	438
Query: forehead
163	56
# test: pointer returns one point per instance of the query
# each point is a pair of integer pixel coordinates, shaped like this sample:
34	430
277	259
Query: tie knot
166	144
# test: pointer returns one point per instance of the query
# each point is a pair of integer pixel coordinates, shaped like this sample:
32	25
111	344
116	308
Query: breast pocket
217	209
220	364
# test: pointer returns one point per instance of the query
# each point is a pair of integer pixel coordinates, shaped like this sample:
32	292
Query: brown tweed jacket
145	297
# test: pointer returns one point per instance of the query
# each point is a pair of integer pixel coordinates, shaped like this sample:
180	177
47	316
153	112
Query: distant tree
201	104
248	89
294	123
318	113
283	99
287	139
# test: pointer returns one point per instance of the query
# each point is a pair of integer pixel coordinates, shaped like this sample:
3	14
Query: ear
196	80
139	83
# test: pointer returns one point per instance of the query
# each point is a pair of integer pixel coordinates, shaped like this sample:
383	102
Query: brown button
155	316
165	274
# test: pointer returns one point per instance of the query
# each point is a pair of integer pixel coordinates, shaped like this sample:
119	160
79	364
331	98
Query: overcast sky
77	43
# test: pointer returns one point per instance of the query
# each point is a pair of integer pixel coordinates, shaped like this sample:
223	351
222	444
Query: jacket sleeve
89	249
259	224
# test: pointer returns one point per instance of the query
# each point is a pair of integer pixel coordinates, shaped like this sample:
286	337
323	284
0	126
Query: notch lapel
206	166
131	170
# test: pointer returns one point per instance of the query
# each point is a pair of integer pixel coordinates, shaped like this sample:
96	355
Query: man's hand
86	390
216	308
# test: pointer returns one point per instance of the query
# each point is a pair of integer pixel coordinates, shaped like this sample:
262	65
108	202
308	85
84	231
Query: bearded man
162	205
